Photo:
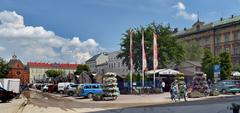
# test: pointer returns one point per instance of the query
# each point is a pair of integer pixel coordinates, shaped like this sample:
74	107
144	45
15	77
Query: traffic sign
216	69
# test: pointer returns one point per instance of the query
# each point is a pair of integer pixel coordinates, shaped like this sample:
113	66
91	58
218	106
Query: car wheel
234	93
44	90
4	100
70	93
224	91
90	95
61	92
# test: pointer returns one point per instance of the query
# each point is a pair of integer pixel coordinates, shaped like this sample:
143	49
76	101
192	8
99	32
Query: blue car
87	90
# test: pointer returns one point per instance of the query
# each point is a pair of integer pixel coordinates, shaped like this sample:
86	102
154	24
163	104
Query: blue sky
106	20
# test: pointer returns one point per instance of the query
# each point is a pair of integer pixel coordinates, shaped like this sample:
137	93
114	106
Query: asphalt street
45	103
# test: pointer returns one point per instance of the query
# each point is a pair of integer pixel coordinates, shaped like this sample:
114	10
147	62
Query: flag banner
155	52
131	55
144	60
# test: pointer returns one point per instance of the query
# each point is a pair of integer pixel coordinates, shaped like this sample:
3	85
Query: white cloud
37	44
2	49
181	8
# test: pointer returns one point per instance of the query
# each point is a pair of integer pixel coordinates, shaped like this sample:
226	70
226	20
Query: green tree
136	77
236	68
194	51
169	50
208	61
81	68
54	73
3	68
226	65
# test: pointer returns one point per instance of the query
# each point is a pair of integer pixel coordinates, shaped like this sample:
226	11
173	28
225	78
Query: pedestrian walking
163	86
174	91
182	90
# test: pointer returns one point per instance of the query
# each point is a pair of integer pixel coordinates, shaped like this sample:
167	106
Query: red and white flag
144	60
155	52
131	55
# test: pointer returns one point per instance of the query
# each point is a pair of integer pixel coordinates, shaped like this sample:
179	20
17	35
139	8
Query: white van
10	84
62	86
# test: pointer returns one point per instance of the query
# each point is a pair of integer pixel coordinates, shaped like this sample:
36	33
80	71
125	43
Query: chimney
221	18
185	29
232	16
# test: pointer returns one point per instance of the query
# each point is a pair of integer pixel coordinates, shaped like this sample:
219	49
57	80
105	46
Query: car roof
90	84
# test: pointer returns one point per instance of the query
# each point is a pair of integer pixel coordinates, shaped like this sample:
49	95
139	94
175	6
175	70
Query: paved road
219	105
45	103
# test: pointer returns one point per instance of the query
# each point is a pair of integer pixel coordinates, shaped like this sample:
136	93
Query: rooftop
208	26
95	57
52	65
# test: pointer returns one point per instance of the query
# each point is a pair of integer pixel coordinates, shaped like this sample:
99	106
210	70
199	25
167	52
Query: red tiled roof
52	65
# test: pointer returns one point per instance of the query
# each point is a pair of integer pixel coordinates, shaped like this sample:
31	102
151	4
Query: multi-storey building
107	62
37	69
219	36
116	65
97	60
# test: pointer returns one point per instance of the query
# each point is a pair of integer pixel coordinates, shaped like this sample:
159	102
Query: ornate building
18	70
219	36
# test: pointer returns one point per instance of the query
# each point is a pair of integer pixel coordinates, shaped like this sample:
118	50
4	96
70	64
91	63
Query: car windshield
229	83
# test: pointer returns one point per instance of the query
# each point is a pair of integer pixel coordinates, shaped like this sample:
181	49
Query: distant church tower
17	70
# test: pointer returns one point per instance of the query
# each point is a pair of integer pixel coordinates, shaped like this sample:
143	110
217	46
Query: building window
218	50
226	37
226	49
206	41
218	37
235	35
198	27
236	50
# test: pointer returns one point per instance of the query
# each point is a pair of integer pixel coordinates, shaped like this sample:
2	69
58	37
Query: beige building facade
37	69
219	36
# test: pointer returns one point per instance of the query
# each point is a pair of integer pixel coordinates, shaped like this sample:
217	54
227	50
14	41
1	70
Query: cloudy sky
73	31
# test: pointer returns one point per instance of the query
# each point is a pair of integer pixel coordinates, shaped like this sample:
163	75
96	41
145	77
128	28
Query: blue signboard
216	69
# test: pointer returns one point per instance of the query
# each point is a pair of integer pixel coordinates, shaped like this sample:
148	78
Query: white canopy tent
236	74
164	72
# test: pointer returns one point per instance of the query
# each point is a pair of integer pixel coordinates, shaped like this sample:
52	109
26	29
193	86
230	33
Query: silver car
70	89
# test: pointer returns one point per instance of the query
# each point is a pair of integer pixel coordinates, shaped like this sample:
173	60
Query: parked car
6	95
70	89
227	86
45	88
237	82
61	86
52	88
38	86
87	90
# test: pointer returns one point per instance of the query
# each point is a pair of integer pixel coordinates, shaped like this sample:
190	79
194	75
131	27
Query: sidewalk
14	106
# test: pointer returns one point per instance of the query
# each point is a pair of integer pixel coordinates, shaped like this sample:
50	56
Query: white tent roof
164	72
236	73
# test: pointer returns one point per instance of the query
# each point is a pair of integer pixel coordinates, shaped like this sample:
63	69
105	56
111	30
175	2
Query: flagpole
154	84
143	62
131	60
155	58
154	79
